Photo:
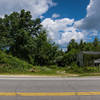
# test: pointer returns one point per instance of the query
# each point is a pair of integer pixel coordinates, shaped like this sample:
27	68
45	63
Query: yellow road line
7	94
49	94
88	93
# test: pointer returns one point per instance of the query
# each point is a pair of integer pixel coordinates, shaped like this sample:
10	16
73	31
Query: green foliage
72	45
81	45
89	59
74	68
12	64
60	61
95	42
45	51
88	47
70	57
26	39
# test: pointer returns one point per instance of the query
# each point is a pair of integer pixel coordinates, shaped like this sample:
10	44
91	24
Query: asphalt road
49	88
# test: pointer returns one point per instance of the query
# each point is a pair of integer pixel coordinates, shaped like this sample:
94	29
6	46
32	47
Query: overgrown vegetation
9	64
24	44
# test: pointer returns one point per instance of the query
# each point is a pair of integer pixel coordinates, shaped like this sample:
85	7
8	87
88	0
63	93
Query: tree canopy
25	38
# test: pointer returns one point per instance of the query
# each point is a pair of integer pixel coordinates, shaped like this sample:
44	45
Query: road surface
29	88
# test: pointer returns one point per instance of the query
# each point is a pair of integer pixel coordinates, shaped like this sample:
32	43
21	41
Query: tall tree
81	45
95	42
72	45
26	38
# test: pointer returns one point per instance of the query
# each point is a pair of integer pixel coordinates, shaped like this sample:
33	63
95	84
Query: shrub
10	64
60	61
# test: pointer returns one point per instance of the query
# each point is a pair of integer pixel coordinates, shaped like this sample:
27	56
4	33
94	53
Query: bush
12	64
74	68
70	57
60	61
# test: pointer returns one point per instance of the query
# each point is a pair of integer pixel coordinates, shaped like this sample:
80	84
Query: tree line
25	38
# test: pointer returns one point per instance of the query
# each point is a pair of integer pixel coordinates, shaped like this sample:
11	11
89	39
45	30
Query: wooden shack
95	58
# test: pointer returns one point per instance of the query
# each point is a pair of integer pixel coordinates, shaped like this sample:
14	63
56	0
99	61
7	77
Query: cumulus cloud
55	15
62	30
92	19
37	7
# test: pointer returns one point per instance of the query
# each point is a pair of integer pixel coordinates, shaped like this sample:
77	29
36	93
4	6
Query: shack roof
91	52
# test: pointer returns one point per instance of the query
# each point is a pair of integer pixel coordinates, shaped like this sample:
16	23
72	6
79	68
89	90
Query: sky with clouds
63	19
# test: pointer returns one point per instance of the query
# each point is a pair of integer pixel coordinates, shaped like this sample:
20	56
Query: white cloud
55	15
62	30
92	19
37	7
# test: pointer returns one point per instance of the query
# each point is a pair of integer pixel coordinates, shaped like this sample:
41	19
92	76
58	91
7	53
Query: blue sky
63	19
69	8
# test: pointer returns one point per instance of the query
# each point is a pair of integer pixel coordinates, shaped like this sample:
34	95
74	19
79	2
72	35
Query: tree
81	45
88	47
25	38
45	51
95	42
72	45
22	31
70	57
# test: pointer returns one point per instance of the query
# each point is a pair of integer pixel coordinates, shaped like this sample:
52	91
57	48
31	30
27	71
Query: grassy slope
9	64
